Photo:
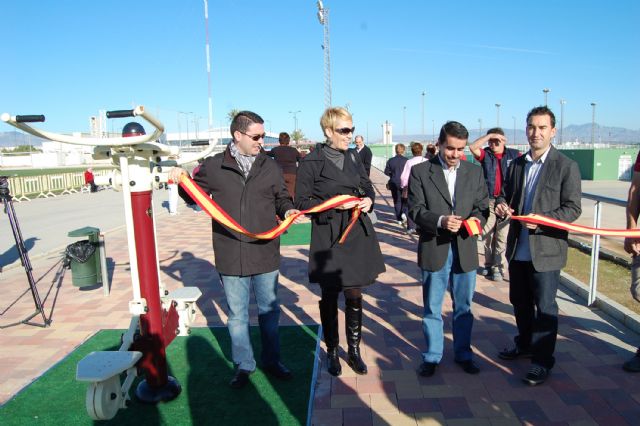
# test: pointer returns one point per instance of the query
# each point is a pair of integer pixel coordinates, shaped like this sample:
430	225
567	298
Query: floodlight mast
323	17
140	163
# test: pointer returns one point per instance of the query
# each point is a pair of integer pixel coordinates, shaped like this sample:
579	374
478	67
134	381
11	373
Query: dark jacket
358	261
429	199
366	156
489	164
558	196
394	168
253	202
287	158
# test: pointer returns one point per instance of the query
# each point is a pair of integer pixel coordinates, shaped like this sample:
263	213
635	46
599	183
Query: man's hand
175	173
503	211
298	219
451	223
632	246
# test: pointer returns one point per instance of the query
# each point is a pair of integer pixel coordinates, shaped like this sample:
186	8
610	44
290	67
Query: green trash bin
84	257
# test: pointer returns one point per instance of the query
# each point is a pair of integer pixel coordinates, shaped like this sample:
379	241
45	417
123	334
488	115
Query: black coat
367	157
394	169
253	202
358	261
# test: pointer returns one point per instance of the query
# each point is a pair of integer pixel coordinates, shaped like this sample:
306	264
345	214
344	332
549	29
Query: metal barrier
26	188
595	244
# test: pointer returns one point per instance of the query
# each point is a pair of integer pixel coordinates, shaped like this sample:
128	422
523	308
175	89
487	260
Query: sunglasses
346	130
255	138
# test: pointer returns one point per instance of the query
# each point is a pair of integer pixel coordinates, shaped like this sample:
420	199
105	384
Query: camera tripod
7	201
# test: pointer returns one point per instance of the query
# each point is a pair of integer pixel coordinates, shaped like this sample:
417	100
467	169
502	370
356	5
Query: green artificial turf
297	235
202	365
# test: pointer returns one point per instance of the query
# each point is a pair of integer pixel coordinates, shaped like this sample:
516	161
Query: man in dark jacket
365	153
249	187
393	169
545	182
287	158
443	193
495	160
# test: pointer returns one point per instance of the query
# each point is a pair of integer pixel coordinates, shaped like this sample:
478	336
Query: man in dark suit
365	153
443	193
393	169
545	182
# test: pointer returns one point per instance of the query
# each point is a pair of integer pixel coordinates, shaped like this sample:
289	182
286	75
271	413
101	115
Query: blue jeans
461	286
237	290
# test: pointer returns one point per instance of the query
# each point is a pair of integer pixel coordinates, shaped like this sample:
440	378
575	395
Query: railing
26	188
595	245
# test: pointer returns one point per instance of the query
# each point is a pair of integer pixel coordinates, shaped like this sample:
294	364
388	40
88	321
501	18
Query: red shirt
88	177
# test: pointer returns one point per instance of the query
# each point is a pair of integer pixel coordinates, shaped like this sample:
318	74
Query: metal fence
26	188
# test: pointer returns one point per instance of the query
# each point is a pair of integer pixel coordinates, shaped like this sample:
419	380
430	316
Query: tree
297	135
232	114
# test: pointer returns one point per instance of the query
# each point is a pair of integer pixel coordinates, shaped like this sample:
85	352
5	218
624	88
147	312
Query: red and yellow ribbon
577	229
472	225
220	216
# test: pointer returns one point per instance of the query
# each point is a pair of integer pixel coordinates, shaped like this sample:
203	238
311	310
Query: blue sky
68	59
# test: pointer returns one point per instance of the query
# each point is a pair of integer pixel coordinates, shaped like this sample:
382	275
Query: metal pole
423	93
404	120
497	115
480	125
206	25
546	92
562	102
514	130
593	123
595	255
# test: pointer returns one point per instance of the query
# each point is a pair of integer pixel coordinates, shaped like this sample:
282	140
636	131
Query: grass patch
297	235
202	365
613	280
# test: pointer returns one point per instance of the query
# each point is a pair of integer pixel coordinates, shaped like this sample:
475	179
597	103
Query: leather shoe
468	366
240	379
536	375
427	369
279	371
514	353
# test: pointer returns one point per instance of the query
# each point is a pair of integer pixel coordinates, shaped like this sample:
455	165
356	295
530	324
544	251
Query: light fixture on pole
295	119
593	123
323	17
497	115
562	102
546	93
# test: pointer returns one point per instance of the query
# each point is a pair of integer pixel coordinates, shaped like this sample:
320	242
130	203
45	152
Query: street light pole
593	123
404	120
514	129
546	92
480	126
562	102
497	115
323	17
423	93
295	119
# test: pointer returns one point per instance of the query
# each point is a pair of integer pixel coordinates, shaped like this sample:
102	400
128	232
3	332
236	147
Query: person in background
365	153
249	187
89	179
416	150
546	182
432	151
393	169
349	267
495	160
444	192
287	158
632	246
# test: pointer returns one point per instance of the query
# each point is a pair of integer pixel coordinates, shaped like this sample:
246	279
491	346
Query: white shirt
450	175
406	172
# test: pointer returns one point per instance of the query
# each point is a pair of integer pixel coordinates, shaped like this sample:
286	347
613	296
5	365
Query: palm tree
297	135
232	114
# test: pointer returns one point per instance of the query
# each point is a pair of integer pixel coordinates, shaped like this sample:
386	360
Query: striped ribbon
577	229
220	216
472	225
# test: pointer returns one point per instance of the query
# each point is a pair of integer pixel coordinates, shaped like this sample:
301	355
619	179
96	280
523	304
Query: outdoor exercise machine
157	315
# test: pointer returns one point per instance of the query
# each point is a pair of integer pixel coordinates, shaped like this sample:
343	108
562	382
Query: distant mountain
16	138
571	133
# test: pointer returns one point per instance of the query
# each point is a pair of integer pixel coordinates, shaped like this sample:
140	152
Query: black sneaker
536	375
427	369
633	365
514	353
240	379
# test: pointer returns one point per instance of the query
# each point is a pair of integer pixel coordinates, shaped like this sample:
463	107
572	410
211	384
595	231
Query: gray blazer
429	199
558	196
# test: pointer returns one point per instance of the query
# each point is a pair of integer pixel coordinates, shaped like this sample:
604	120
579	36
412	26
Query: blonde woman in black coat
329	170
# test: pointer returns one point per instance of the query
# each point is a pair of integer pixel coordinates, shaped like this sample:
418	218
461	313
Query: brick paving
587	386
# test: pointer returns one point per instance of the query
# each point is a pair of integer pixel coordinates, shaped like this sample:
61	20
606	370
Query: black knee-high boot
353	325
329	319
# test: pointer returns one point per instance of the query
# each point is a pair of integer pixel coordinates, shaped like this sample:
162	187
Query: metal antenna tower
323	17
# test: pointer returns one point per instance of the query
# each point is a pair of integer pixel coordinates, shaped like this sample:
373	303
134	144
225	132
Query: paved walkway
587	386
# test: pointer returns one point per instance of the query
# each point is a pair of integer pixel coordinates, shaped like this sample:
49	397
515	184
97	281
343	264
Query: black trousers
533	296
396	195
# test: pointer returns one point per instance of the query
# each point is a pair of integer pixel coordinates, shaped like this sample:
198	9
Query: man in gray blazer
545	182
443	193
